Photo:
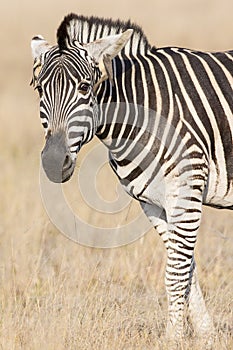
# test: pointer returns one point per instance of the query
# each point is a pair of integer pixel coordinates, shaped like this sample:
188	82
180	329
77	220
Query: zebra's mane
87	29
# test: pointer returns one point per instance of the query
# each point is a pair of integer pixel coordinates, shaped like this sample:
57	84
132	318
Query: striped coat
165	115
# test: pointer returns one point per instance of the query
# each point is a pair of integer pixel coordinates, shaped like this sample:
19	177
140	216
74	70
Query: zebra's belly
223	201
218	192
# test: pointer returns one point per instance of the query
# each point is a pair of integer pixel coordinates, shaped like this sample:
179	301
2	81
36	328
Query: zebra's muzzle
56	160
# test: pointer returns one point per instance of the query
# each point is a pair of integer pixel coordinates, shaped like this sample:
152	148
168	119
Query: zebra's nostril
48	134
67	162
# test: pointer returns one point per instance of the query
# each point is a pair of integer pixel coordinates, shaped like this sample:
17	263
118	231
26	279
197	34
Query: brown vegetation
55	294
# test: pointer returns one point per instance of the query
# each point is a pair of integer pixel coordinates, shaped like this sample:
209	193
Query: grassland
55	294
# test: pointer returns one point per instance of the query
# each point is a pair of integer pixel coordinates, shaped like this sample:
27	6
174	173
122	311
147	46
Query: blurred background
196	24
42	272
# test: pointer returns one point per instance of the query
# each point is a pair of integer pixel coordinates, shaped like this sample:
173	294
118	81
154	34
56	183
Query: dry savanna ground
55	294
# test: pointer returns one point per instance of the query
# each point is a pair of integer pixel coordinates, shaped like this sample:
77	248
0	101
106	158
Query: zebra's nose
56	160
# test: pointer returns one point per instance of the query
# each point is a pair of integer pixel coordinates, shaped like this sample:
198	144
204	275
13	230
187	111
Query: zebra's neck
125	108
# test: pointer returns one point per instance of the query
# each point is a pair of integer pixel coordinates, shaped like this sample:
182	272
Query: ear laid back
105	49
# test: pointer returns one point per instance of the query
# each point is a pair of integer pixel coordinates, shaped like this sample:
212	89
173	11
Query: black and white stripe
167	120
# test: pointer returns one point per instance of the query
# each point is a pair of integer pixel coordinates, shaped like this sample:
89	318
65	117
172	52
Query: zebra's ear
105	49
39	46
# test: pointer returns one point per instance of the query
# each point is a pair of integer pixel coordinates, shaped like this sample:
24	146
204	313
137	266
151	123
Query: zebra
165	115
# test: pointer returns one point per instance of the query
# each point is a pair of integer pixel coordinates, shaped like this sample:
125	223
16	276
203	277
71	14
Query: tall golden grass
55	294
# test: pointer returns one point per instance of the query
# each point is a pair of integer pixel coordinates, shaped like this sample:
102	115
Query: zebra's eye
83	87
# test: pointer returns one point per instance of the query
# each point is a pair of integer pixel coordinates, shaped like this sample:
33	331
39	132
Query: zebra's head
66	77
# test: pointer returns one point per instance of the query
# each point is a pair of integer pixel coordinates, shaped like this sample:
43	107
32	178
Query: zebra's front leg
183	216
178	278
182	231
201	320
192	293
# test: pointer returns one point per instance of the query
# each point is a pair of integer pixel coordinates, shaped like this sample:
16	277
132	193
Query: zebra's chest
140	185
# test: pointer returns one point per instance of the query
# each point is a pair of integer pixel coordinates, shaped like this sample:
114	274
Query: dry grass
55	294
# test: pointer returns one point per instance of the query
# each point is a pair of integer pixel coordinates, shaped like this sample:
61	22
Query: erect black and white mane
87	29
